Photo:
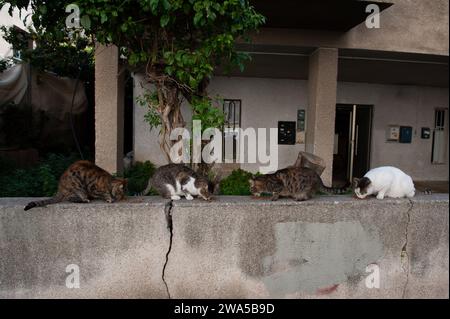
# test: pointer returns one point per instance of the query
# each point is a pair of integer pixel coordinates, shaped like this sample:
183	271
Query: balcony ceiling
336	15
367	66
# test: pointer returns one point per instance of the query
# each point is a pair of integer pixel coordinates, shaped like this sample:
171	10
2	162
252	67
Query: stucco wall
232	247
266	101
400	105
146	139
415	26
407	26
109	109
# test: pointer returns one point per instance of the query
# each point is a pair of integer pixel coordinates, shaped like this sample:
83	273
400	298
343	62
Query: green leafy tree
176	43
56	49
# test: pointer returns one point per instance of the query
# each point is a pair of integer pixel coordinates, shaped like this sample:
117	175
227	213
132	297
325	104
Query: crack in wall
168	212
404	254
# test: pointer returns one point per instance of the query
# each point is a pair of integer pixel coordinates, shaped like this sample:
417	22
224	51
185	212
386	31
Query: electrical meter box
286	133
405	134
426	133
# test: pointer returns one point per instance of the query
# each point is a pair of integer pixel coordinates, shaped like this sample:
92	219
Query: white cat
384	181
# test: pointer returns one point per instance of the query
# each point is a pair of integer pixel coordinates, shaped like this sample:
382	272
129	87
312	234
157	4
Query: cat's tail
334	190
45	202
146	190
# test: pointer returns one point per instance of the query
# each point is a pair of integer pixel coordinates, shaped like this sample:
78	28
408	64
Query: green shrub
38	181
6	166
236	183
42	179
138	175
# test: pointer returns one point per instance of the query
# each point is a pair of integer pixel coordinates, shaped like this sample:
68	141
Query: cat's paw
175	197
189	197
380	196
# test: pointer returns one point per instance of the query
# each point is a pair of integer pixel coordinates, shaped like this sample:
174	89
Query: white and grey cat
385	181
176	180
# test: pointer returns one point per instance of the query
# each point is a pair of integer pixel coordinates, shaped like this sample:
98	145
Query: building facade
358	89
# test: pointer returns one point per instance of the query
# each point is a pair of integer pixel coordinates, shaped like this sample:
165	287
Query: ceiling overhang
367	66
336	15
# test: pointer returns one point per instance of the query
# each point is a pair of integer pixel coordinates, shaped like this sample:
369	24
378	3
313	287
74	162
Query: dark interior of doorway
341	159
128	114
361	153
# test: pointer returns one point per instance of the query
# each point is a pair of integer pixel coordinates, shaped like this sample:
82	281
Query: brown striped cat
84	181
296	182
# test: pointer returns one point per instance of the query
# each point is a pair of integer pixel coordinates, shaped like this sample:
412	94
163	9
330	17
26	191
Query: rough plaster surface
392	105
109	109
119	249
299	254
322	86
400	105
408	26
233	247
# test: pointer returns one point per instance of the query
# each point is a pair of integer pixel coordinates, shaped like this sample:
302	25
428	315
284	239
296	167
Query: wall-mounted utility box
426	133
392	133
286	133
405	134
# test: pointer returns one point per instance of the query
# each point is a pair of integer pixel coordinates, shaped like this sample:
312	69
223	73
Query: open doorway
128	129
353	129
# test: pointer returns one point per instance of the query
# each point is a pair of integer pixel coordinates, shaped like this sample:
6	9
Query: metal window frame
440	124
228	102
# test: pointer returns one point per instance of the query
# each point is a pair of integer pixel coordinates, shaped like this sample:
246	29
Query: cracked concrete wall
119	249
233	247
236	248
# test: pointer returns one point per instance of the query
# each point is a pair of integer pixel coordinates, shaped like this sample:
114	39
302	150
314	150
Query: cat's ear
355	182
364	182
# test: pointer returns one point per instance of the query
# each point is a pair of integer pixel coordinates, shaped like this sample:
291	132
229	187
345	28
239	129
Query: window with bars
232	113
440	137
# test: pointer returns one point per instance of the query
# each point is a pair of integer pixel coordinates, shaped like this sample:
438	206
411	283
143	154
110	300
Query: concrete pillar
322	86
109	109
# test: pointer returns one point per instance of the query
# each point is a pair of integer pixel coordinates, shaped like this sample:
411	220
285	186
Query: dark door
352	142
363	129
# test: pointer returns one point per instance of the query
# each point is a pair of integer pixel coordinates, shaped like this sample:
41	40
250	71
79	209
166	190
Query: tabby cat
176	180
83	181
296	182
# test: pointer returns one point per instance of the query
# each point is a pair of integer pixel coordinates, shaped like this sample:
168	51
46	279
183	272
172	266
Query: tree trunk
170	110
